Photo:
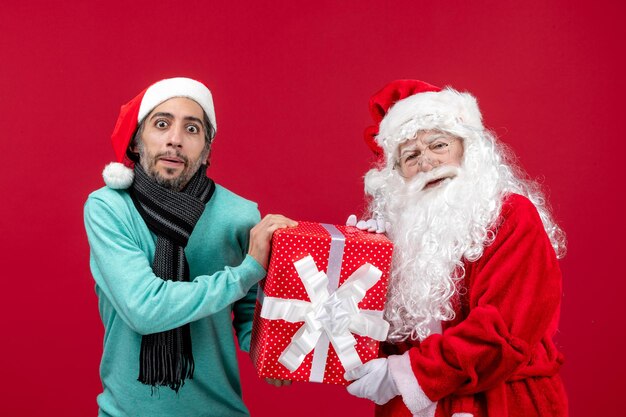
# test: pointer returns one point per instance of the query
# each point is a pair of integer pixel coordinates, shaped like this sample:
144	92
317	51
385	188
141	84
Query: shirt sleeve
242	318
243	310
514	293
147	303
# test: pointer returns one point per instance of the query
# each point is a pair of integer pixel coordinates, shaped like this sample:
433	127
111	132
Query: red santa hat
119	175
404	107
382	100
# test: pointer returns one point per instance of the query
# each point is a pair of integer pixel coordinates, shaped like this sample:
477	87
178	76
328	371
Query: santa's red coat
497	358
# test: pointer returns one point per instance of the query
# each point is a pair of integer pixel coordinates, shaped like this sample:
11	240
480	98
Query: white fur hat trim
163	90
118	176
429	110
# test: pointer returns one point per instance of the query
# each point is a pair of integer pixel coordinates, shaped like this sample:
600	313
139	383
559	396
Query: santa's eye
438	146
193	129
411	158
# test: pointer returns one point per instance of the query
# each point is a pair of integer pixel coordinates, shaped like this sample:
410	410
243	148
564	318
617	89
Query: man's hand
373	381
278	382
261	235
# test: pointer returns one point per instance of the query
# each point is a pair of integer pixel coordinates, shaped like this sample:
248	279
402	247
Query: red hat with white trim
382	100
119	175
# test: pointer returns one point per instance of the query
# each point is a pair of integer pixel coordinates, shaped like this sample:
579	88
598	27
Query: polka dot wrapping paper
271	337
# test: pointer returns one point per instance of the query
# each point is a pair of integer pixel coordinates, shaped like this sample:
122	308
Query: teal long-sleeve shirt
133	302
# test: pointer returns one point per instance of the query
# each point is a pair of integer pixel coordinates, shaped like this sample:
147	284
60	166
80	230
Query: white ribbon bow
337	314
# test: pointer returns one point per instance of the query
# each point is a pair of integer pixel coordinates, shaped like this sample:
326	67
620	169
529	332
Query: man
475	289
175	258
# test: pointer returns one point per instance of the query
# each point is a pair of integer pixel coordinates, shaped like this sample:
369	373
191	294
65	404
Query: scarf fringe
161	368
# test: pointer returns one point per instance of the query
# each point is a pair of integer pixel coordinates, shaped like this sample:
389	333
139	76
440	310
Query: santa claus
475	290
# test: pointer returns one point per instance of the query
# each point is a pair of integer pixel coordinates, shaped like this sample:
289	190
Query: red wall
291	84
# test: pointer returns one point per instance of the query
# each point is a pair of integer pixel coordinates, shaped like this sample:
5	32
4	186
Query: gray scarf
166	358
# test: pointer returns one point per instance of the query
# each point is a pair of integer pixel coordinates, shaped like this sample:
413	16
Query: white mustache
417	183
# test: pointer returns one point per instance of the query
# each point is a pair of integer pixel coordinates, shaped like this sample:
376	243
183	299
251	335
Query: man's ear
132	152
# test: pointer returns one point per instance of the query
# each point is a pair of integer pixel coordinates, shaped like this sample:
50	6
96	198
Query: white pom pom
117	176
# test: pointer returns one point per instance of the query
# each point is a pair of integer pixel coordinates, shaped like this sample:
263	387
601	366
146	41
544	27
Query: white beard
433	230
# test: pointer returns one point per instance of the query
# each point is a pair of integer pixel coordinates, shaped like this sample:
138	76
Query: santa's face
173	145
429	150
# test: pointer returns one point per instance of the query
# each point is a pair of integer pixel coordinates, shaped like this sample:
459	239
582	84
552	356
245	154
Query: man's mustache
176	154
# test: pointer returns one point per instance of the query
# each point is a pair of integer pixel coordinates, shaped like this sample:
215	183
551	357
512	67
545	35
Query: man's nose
175	138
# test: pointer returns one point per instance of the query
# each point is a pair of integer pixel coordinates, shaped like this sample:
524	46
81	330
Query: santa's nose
426	165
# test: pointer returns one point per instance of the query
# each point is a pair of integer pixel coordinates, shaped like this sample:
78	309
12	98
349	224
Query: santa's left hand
373	381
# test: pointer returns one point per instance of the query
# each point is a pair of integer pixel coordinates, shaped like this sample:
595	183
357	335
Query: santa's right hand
377	225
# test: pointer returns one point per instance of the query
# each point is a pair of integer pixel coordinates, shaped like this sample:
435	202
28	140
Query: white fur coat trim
413	396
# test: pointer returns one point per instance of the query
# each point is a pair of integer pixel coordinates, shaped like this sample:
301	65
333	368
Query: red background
291	83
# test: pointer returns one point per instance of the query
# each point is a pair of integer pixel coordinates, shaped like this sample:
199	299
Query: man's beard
148	162
433	230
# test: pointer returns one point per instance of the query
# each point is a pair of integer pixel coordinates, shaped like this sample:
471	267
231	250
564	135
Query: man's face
428	150
172	145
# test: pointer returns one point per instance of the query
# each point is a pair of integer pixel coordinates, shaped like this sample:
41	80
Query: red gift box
319	310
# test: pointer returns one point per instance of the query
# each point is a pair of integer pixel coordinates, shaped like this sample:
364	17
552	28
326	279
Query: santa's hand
373	381
378	225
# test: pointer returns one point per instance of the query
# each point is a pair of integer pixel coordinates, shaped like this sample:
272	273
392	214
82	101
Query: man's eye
438	145
161	124
192	129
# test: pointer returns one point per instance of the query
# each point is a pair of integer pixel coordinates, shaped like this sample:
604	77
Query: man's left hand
278	382
373	381
261	236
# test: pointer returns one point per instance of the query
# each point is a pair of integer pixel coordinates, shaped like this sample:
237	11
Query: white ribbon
335	316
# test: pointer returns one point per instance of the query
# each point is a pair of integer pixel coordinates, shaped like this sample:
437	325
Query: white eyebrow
411	149
433	138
